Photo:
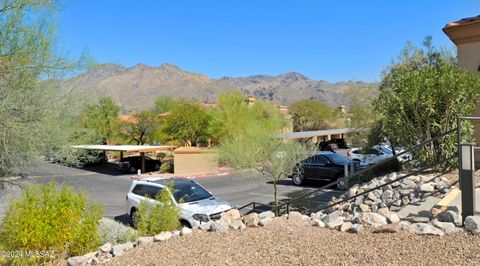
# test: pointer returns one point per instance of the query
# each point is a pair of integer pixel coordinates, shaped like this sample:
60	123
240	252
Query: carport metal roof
125	148
316	133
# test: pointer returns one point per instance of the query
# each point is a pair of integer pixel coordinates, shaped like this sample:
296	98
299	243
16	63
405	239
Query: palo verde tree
102	118
421	95
273	158
34	113
233	117
247	139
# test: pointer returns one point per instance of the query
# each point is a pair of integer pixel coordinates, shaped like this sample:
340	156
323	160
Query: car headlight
201	217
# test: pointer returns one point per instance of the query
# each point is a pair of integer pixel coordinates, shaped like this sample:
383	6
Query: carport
142	149
326	134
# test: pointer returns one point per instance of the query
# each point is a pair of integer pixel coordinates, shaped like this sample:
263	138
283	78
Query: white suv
198	205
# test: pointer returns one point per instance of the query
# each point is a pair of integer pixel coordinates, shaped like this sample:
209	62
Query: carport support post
121	155
105	159
143	161
467	179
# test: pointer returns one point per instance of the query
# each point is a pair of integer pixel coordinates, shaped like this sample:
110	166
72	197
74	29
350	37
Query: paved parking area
109	186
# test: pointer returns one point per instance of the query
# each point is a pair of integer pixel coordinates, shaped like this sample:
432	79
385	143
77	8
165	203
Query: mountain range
136	87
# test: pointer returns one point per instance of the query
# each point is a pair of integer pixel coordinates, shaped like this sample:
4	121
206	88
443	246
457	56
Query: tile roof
462	22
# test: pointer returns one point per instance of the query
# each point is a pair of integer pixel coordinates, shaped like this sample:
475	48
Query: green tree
188	122
421	95
163	104
360	114
34	110
140	131
234	117
312	115
273	158
101	117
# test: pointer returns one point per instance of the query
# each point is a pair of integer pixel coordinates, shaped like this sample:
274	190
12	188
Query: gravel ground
282	244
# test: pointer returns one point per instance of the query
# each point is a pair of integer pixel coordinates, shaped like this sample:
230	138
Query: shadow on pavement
124	219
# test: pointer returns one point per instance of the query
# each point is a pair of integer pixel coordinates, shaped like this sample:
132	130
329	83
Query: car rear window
337	158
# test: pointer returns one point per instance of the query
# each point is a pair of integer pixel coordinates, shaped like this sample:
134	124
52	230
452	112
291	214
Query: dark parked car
327	145
325	165
133	163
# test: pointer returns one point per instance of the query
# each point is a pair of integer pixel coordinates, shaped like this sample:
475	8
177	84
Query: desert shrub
166	168
159	217
50	219
114	232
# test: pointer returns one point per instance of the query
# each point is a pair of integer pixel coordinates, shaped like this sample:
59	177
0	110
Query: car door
324	168
316	167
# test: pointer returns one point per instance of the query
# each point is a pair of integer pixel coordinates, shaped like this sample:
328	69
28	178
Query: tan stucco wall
468	55
195	161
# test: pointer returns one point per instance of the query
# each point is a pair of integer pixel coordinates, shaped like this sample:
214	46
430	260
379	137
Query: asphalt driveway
109	186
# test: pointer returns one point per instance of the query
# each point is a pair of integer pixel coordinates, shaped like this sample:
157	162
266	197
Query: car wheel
342	183
156	167
134	218
297	179
132	170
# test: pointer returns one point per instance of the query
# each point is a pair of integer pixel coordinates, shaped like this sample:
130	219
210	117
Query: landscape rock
118	250
416	219
356	228
364	207
79	260
220	226
251	220
334	224
230	215
237	225
265	221
393	218
472	224
105	248
345	227
205	226
388	228
162	236
266	214
371	218
446	227
427	188
448	217
295	217
384	212
185	231
425	229
144	240
318	223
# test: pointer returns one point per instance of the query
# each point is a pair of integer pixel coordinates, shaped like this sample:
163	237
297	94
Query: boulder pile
411	190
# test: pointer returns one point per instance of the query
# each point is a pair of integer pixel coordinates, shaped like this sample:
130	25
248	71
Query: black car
327	145
325	165
133	163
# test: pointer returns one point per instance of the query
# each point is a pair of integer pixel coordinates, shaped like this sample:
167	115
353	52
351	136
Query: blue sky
329	40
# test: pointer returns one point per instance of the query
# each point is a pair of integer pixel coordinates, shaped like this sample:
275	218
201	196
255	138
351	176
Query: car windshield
386	150
337	158
189	191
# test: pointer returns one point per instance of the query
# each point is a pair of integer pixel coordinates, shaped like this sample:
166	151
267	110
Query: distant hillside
137	87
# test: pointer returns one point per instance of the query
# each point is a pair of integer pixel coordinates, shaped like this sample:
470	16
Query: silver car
195	203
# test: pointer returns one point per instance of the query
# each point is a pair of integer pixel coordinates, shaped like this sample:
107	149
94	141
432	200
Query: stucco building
465	33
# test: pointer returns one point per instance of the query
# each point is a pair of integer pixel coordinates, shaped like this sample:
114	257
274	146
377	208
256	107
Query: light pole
467	179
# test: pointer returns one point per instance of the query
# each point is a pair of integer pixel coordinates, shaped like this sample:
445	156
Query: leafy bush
50	219
166	168
114	232
421	95
156	218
